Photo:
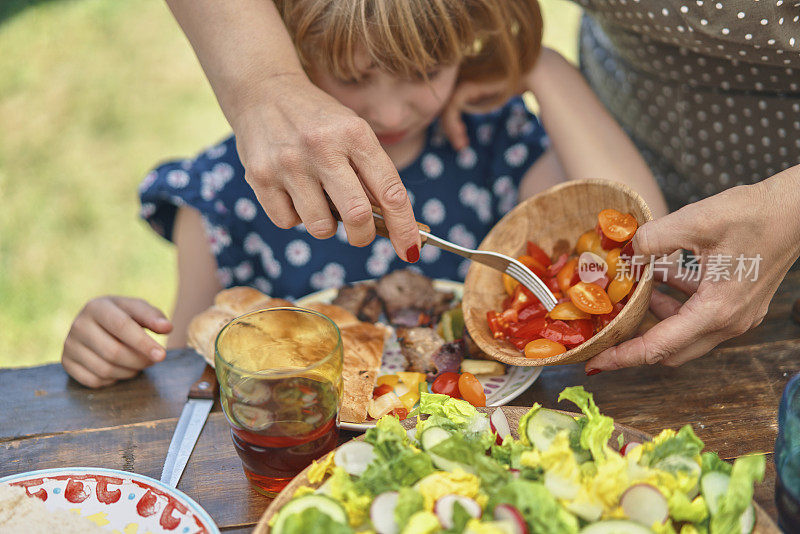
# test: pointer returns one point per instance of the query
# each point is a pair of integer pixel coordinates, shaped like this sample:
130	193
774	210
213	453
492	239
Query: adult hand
298	144
745	221
107	341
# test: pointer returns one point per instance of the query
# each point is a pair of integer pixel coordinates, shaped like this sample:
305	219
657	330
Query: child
409	69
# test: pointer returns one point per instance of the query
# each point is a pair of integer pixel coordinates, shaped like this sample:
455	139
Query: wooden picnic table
730	396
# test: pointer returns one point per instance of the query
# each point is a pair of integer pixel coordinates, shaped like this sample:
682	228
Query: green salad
461	471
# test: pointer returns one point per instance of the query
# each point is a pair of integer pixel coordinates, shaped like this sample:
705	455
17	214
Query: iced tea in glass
280	376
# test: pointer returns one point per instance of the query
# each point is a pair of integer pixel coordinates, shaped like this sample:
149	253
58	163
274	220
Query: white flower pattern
298	252
245	209
433	211
332	275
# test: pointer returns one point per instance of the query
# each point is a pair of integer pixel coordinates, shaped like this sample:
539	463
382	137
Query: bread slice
363	351
203	330
22	514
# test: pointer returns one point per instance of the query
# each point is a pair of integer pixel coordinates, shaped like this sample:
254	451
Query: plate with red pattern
116	500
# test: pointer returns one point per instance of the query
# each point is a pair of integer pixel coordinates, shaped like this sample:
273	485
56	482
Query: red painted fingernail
412	254
592	372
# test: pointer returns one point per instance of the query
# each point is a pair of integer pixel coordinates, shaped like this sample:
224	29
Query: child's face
398	110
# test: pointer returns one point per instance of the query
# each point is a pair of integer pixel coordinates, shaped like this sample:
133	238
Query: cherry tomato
613	261
590	242
543	348
532	311
585	330
567	311
619	288
509	316
528	330
400	413
567	274
471	390
552	283
446	384
522	298
509	284
590	298
538	254
617	226
534	265
601	321
383	389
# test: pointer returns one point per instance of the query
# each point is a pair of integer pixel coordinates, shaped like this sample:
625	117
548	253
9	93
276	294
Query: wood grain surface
730	396
553	220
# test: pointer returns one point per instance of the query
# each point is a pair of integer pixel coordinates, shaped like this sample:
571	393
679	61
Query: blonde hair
493	40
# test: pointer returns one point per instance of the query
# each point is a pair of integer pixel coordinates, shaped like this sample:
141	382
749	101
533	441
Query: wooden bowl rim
571	356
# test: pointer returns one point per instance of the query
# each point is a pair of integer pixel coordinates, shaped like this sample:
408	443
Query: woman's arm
294	140
197	278
587	141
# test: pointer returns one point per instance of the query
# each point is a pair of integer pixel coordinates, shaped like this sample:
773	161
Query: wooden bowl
553	219
764	524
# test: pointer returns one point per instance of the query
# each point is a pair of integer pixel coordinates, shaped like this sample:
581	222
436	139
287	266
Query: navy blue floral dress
460	195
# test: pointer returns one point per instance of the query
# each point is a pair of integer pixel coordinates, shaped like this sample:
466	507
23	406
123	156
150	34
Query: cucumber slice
430	438
714	486
433	436
324	504
619	526
545	424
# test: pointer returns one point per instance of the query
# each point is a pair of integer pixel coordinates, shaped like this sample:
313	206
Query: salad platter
664	489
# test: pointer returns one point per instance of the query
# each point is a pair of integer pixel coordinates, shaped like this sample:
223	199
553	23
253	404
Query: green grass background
93	93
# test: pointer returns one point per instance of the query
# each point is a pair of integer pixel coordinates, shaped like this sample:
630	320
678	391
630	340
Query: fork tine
533	283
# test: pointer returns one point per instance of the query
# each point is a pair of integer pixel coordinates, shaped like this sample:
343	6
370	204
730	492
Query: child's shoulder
510	122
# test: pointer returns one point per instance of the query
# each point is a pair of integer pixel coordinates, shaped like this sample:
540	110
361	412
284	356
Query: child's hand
107	341
470	97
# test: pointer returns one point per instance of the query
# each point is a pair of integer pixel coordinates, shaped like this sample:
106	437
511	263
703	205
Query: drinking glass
280	376
787	458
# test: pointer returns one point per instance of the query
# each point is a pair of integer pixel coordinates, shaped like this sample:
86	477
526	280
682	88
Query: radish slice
499	425
354	457
644	504
629	447
444	508
382	513
560	487
509	514
514	472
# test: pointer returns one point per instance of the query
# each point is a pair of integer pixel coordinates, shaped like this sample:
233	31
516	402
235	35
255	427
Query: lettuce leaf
404	469
458	411
471	455
683	443
388	437
409	502
509	452
597	429
710	461
312	520
682	509
541	511
745	472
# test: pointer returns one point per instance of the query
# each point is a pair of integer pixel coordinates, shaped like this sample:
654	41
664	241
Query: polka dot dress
709	90
460	195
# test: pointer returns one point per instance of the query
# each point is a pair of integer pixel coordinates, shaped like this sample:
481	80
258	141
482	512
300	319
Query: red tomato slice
584	327
603	281
528	330
617	226
471	390
534	265
532	311
590	298
383	389
446	384
400	413
538	254
566	334
567	274
552	284
495	325
601	321
543	348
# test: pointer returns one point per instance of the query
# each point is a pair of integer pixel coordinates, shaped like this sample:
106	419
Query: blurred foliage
93	93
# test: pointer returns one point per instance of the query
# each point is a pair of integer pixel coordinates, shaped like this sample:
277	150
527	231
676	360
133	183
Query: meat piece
418	346
448	358
407	318
361	300
372	309
406	289
443	302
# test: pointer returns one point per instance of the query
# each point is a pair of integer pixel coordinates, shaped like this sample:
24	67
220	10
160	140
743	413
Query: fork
500	262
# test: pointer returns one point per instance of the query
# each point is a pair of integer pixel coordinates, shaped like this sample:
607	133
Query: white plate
117	501
499	390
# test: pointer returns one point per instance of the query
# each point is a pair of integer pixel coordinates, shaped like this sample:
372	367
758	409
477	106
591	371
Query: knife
193	417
